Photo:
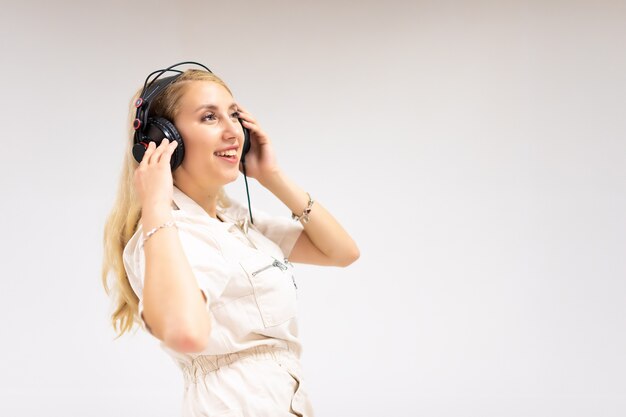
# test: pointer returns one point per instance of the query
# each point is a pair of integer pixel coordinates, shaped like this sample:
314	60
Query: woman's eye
211	116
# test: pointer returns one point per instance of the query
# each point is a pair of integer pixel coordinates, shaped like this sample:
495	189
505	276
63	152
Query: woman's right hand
153	177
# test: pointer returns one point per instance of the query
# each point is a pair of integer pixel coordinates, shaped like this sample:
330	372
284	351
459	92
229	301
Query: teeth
231	152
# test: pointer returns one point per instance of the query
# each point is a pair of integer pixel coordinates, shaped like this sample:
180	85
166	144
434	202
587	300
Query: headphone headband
151	90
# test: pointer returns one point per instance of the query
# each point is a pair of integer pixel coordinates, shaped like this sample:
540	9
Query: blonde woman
187	265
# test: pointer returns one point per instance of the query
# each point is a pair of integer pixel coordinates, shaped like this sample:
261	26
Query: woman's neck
207	199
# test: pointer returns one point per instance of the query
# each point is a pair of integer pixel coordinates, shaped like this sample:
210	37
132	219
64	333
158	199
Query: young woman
190	267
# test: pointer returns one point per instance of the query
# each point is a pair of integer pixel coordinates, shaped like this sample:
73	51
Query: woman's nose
232	126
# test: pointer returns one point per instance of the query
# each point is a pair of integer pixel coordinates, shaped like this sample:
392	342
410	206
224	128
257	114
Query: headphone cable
245	178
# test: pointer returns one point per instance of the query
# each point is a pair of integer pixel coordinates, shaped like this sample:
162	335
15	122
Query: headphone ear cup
139	149
159	128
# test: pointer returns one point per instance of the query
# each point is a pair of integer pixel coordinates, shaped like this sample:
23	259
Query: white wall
474	150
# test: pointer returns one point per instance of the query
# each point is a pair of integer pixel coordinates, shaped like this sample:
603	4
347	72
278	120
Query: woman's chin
228	177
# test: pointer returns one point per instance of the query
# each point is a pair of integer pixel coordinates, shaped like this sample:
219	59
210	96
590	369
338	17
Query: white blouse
243	270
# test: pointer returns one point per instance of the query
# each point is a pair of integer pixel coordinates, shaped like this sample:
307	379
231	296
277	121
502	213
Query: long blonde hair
121	224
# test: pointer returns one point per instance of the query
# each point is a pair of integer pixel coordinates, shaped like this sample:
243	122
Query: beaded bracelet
156	229
305	214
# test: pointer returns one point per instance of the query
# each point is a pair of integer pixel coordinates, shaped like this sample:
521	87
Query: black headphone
155	129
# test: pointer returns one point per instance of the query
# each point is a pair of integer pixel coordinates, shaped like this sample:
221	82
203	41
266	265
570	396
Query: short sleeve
282	230
202	252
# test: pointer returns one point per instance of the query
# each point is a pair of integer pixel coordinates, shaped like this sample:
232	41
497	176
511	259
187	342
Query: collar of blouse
189	206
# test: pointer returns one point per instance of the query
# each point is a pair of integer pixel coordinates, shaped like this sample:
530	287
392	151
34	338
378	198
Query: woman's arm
323	241
173	307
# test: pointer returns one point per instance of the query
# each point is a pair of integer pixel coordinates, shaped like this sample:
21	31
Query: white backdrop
475	151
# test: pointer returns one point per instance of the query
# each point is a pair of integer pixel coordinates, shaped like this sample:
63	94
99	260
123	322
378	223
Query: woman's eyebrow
212	107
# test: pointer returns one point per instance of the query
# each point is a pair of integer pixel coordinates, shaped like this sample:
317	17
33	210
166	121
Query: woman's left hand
260	160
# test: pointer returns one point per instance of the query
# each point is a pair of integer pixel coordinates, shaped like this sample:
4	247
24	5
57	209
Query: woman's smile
228	154
231	159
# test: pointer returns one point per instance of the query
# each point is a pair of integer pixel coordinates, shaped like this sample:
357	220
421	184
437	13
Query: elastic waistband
204	364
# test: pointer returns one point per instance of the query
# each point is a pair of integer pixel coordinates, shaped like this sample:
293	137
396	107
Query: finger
167	153
147	153
154	158
163	149
243	110
247	116
250	125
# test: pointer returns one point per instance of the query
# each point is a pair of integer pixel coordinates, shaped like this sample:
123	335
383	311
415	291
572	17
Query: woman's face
208	124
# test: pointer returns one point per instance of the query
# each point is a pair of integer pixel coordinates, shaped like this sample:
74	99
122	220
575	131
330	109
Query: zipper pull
280	265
